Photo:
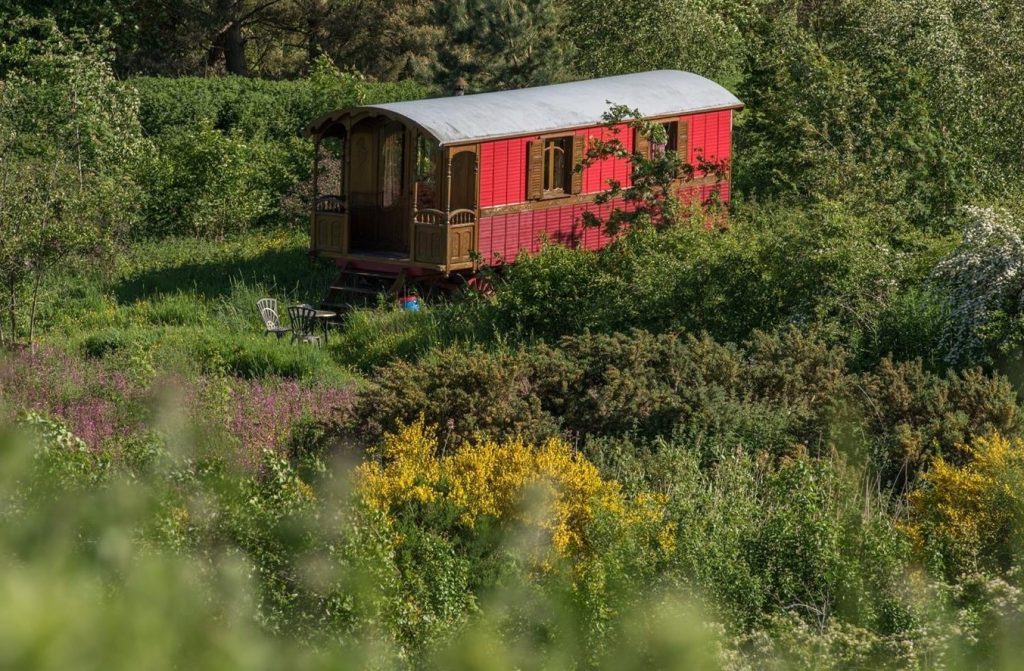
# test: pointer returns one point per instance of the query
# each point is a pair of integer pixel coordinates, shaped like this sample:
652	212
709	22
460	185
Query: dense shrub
228	151
983	279
490	480
760	540
769	268
968	517
460	390
909	327
205	183
913	416
634	383
258	108
773	392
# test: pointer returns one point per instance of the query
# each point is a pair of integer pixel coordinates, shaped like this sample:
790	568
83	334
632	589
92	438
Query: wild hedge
229	153
769	395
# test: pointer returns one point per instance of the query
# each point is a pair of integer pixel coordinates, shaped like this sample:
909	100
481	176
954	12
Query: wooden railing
330	225
444	238
333	204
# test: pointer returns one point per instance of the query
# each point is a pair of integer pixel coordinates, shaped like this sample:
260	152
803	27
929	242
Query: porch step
356	290
357	286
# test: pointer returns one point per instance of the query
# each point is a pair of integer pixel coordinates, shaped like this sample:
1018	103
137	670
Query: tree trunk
234	51
228	43
32	313
12	286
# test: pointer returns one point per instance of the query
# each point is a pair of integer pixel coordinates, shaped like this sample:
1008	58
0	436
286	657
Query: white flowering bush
984	282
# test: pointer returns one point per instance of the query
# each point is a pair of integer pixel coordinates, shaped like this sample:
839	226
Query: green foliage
619	37
916	415
204	183
379	335
650	197
909	327
258	108
63	459
879	102
499	44
255	355
460	390
753	536
766	396
780	412
228	154
769	268
69	136
983	279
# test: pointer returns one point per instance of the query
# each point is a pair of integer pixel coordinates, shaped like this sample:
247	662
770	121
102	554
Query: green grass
189	305
376	336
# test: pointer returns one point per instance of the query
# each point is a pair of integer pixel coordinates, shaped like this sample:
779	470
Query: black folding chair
304	324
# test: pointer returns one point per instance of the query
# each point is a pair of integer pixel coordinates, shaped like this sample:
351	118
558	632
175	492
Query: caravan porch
386	193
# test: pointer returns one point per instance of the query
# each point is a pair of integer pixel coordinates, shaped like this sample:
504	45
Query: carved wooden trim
578	199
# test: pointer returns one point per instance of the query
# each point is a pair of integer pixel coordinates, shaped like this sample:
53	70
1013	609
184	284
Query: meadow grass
189	305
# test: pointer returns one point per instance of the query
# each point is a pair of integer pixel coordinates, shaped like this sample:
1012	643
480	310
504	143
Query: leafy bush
101	343
486	479
914	416
970	516
230	150
463	391
205	183
636	383
984	281
771	267
258	108
909	327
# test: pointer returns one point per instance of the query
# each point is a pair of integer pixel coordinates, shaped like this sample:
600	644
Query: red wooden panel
503	167
595	178
503	172
503	181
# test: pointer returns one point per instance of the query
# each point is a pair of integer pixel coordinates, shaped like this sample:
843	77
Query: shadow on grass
286	272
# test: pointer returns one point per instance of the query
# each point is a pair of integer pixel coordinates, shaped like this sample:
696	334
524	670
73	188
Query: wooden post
316	191
346	181
447	210
448	186
414	159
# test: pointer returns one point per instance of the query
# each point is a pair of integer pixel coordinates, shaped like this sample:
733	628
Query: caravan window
391	164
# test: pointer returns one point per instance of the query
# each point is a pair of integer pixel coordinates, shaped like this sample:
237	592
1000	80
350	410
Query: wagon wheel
482	285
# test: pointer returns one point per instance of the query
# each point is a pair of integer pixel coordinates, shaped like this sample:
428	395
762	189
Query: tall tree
503	43
387	39
69	136
620	36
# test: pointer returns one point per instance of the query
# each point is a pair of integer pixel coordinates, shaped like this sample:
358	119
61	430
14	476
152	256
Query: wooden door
463	184
378	191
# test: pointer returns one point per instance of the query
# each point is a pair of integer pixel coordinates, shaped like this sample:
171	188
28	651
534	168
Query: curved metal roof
542	109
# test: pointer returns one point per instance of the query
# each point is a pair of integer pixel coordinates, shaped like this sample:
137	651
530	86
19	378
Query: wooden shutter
641	144
683	140
578	144
535	170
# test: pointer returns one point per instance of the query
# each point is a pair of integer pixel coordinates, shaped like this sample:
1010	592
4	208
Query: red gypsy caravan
433	187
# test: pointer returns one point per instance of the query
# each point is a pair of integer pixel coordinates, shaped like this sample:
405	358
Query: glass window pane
391	166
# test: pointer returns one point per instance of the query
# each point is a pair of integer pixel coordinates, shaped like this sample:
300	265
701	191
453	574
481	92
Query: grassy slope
189	305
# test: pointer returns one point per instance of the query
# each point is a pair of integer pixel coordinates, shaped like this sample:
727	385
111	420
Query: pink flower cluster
263	413
101	405
97	403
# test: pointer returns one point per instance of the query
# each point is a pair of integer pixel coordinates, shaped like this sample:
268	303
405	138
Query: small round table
323	318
